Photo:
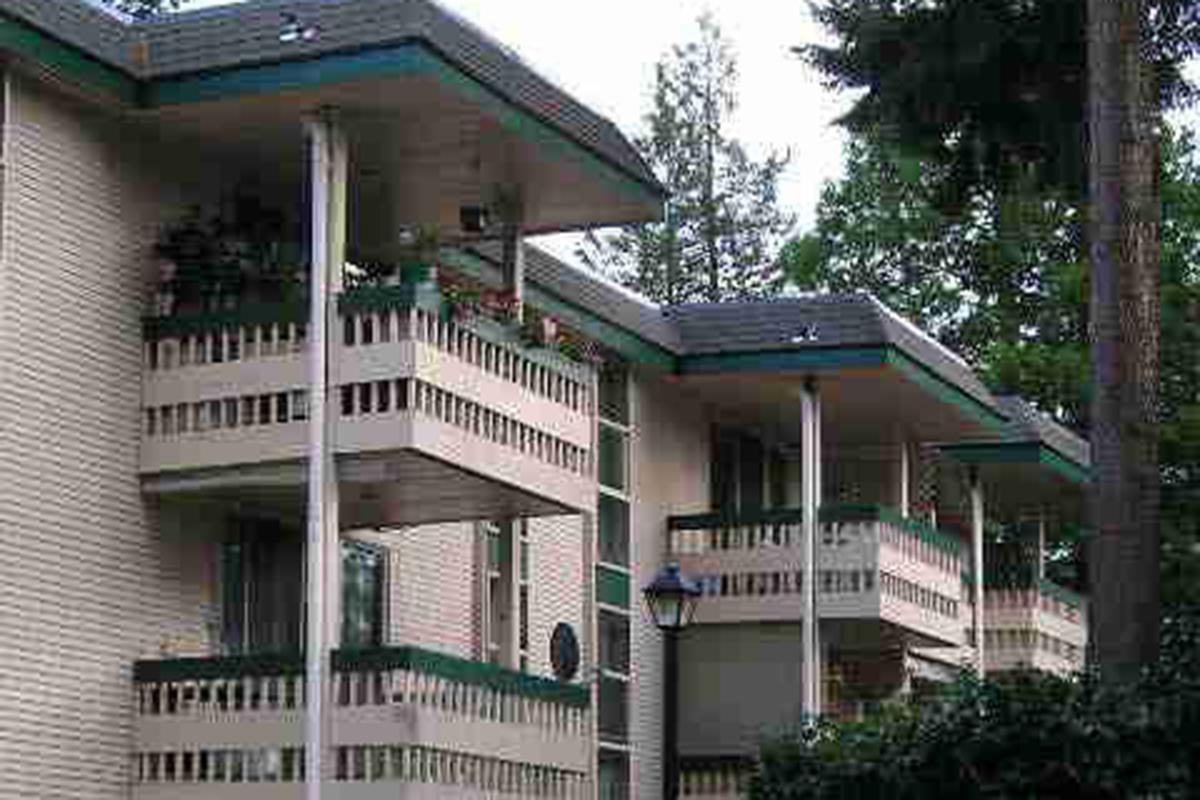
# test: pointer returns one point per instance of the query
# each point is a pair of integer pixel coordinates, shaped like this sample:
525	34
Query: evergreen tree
722	225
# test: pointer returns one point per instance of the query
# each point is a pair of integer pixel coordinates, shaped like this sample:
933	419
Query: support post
513	250
977	564
905	479
670	776
809	482
326	154
1041	543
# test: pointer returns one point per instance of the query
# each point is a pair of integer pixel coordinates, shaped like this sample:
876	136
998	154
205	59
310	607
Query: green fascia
620	340
612	587
1019	453
975	409
66	60
415	659
410	58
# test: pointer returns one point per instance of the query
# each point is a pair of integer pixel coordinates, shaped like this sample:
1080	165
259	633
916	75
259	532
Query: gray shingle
249	33
1028	424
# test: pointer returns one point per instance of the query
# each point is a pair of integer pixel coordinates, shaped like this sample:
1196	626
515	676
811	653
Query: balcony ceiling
419	150
860	406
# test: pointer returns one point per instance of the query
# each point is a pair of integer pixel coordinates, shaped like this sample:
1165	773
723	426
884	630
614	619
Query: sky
604	54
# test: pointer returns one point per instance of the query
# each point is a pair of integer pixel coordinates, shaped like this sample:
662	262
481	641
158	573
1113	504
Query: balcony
872	565
405	723
1041	625
424	408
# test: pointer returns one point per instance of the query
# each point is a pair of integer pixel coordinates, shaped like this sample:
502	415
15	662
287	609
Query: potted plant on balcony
420	248
460	301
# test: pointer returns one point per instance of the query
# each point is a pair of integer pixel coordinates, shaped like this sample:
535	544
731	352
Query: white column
326	153
809	485
904	487
977	563
513	261
1041	543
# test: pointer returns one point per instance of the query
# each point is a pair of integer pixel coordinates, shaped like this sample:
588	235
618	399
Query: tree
994	91
722	225
144	8
1007	286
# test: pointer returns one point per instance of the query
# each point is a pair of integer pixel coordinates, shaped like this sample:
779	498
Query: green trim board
612	587
944	390
415	659
66	60
177	325
412	57
982	453
829	512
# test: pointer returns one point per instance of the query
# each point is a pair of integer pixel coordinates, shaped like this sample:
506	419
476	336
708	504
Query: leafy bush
1024	735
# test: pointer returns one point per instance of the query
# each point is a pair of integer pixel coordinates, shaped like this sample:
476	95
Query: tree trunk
1123	556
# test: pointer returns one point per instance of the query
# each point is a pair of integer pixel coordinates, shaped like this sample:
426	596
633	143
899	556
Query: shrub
1022	735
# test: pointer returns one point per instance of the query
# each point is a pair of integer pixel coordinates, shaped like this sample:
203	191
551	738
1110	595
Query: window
362	594
613	525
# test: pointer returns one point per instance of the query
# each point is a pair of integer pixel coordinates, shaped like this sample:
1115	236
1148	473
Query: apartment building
514	447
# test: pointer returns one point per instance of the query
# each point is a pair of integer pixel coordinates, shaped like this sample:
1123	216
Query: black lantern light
671	599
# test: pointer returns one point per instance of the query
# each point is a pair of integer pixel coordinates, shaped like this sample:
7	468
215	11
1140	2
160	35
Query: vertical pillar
327	160
977	564
1041	543
809	486
903	489
513	249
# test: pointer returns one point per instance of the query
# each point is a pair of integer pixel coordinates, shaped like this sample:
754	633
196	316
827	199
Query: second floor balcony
460	408
872	565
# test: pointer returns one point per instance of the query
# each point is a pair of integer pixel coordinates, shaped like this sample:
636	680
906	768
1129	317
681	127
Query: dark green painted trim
618	339
1019	453
830	512
405	59
475	673
414	57
974	408
802	361
155	328
612	587
65	60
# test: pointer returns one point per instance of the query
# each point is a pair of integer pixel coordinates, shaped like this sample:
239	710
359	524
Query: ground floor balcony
405	722
433	418
879	576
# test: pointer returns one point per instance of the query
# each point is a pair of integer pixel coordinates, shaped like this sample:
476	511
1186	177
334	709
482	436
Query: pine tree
722	225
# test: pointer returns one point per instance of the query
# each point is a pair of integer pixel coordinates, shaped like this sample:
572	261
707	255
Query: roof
203	41
1027	424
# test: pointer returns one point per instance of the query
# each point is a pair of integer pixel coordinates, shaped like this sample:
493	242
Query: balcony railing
231	388
715	778
211	726
1041	625
871	563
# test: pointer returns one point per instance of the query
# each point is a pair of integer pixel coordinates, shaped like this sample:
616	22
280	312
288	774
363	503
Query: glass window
612	458
362	594
614	717
614	775
613	525
614	393
614	641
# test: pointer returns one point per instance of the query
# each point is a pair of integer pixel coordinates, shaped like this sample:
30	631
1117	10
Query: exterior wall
669	475
86	582
557	588
431	587
737	683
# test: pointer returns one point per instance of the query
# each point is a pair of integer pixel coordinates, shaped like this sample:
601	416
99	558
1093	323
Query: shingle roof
249	33
1026	423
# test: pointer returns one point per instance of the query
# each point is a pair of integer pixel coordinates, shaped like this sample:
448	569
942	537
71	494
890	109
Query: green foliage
723	225
1024	735
144	8
990	90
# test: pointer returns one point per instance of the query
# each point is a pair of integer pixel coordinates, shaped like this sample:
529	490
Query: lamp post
671	599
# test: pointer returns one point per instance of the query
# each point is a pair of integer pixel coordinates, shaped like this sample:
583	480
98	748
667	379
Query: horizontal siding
88	583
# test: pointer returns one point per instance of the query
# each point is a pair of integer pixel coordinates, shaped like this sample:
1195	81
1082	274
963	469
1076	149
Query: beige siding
431	592
670	456
556	586
84	585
